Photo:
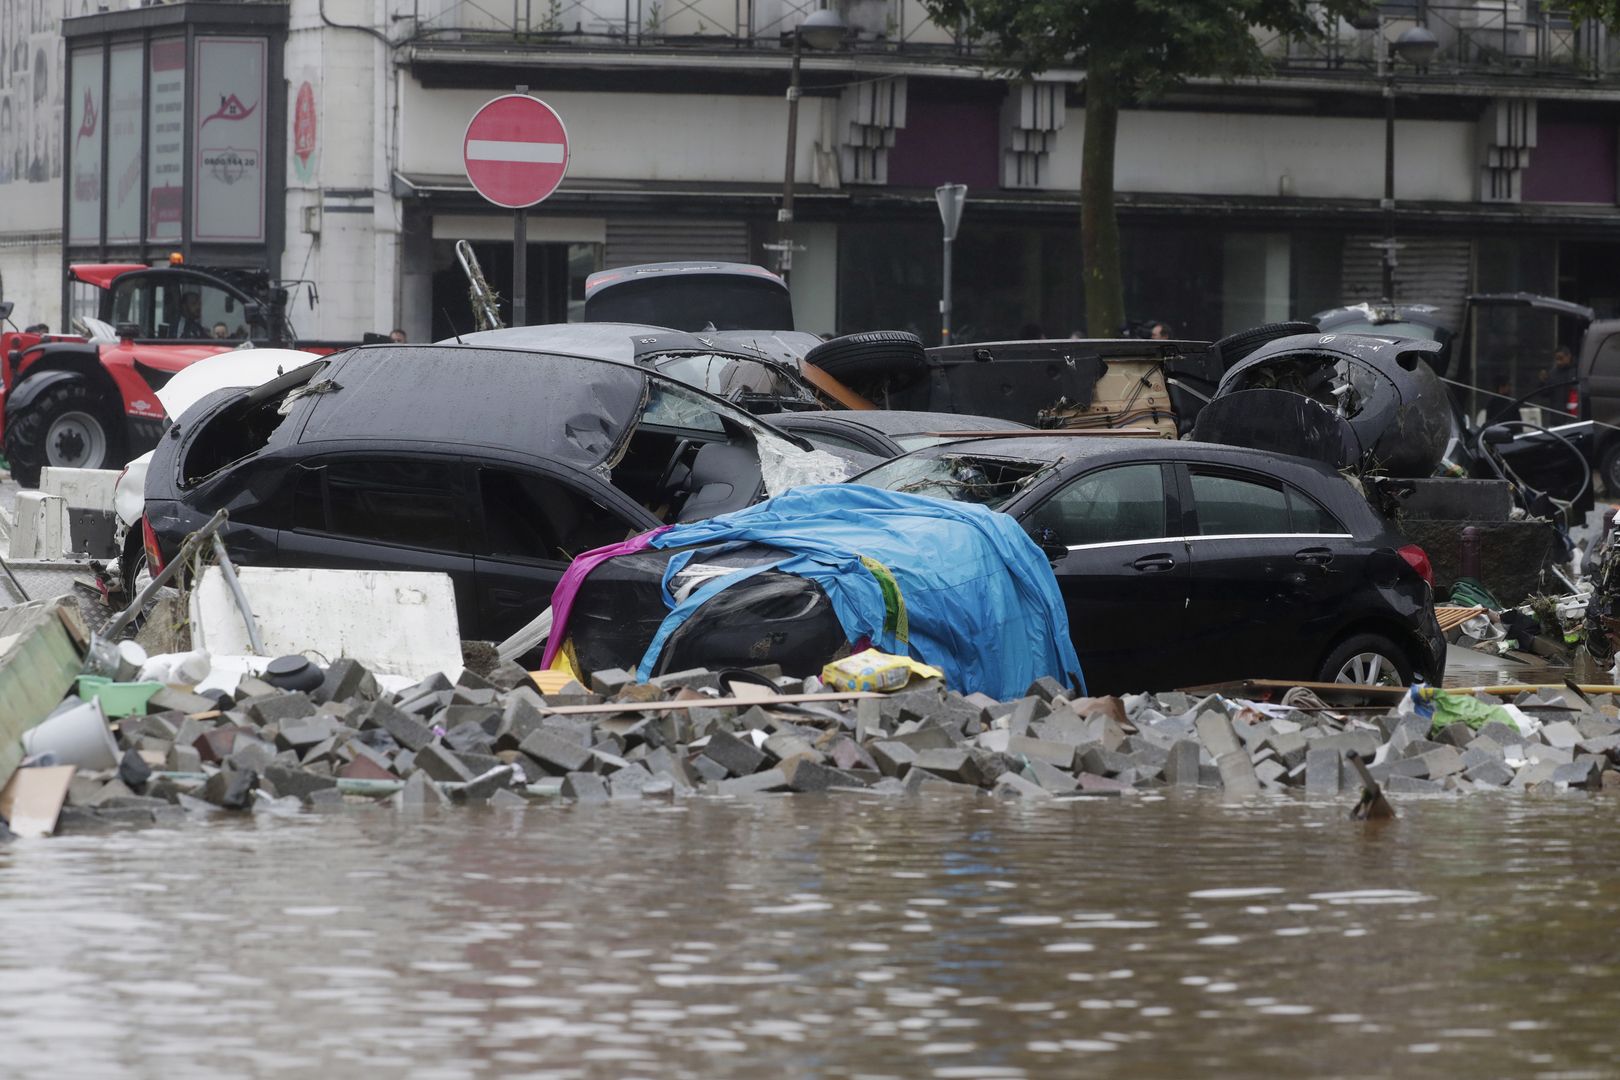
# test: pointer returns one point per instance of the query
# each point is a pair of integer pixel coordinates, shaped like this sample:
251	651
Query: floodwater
824	936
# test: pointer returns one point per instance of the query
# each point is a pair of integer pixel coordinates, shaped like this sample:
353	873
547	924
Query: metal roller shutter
641	240
1431	270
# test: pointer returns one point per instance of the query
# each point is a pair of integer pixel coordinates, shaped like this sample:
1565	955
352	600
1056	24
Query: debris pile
495	740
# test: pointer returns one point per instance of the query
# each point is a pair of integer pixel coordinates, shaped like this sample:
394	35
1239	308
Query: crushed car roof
569	408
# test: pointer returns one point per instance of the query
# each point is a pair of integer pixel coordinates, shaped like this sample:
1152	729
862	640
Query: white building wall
343	222
626	136
1207	153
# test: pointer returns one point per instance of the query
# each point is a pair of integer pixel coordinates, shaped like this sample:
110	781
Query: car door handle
506	597
1154	564
1314	556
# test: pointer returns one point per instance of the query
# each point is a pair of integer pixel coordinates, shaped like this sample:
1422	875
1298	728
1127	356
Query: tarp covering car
956	585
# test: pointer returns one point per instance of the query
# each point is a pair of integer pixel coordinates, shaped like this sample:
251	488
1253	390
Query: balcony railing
882	24
1502	37
1485	37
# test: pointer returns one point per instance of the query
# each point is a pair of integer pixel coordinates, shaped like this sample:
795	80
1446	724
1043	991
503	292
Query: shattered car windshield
1347	387
668	406
987	481
727	376
672	405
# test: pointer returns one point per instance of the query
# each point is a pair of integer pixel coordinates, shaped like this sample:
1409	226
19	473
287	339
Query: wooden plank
704	703
32	799
833	388
1452	617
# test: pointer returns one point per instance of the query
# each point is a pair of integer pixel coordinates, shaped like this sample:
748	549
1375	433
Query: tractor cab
181	303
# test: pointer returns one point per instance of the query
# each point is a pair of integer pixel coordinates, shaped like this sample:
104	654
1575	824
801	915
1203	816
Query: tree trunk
1099	229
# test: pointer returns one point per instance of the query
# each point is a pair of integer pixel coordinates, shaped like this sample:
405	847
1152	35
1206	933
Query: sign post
516	153
950	198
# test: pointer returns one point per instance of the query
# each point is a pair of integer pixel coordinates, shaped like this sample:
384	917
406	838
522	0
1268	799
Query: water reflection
841	936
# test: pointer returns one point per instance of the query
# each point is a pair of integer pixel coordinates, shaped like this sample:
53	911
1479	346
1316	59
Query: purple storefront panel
1573	162
947	142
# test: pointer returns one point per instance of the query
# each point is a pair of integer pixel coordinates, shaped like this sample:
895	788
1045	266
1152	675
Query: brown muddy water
825	936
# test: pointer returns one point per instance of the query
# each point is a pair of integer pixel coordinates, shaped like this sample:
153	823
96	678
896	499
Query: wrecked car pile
495	740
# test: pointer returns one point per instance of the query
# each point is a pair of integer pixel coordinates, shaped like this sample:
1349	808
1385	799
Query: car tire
1235	347
133	566
1367	657
68	425
877	354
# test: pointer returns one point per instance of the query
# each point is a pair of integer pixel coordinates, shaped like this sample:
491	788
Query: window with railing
1475	36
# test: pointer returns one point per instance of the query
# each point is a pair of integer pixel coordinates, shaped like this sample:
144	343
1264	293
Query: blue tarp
980	601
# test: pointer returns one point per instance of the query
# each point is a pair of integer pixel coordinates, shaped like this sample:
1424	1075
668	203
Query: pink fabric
562	598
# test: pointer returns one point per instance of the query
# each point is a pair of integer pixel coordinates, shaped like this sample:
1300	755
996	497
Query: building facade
138	131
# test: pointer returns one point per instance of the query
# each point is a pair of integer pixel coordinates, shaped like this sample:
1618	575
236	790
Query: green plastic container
117	698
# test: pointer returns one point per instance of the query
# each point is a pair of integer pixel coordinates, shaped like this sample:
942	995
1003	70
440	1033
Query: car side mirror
1497	434
127	330
1054	551
6	307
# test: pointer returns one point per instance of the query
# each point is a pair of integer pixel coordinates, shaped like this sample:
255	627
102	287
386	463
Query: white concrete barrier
395	623
40	530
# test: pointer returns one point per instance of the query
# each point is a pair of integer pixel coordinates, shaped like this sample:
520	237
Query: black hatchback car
495	466
1184	563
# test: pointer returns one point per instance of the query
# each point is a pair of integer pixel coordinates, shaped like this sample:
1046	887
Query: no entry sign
515	151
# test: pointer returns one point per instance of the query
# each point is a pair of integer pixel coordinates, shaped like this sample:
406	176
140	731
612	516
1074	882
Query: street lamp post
950	198
821	29
1416	46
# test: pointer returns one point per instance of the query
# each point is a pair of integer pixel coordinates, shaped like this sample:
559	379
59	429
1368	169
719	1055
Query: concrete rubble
494	740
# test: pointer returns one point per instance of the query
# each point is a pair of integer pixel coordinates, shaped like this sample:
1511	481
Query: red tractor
87	402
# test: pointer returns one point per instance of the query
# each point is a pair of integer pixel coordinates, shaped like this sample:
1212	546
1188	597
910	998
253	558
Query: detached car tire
877	354
67	425
1367	658
1235	347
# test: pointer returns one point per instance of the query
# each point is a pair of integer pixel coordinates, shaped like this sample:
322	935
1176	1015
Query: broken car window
730	377
242	428
987	481
1109	506
669	406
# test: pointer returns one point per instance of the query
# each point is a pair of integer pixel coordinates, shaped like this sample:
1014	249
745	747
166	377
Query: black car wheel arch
1378	651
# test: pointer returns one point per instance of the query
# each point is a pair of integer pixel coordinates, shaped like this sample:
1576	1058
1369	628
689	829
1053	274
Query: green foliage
1149	45
1606	12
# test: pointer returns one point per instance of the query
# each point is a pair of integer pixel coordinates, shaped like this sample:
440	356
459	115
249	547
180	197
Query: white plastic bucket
78	736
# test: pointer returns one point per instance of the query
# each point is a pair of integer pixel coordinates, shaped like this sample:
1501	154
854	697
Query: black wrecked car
1357	401
1180	563
494	466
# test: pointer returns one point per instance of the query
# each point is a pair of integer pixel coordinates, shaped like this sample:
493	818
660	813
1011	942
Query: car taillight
1573	405
1418	560
154	554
